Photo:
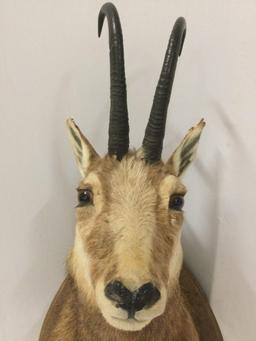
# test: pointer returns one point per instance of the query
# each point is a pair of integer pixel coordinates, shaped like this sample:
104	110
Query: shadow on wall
235	279
50	238
201	256
201	251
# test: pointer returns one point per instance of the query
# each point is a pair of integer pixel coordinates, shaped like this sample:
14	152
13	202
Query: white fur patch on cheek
81	265
175	260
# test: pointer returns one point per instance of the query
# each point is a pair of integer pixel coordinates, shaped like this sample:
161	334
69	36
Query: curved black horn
155	130
118	142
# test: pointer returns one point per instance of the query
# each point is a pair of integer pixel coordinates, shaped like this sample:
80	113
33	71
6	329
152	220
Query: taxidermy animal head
127	253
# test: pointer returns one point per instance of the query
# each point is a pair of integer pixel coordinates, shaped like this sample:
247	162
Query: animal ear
186	151
83	150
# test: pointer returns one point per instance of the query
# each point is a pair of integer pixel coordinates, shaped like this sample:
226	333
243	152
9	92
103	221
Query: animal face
129	233
127	254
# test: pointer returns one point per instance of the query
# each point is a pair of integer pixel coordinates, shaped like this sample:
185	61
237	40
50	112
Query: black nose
132	301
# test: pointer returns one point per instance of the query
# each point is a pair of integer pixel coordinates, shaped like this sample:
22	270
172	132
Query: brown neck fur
174	324
77	320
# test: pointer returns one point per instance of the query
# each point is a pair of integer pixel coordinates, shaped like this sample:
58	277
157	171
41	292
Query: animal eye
84	197
176	202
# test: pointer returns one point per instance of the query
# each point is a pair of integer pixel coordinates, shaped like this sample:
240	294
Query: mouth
128	324
129	319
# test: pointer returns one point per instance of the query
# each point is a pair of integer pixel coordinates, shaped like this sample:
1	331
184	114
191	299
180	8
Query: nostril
117	292
146	296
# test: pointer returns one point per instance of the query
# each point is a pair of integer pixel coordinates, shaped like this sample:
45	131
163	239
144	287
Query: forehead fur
133	170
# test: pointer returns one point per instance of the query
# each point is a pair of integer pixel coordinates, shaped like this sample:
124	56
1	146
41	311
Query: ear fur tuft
83	150
186	151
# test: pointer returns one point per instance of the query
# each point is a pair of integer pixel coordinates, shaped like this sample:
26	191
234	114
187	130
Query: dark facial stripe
185	165
189	146
76	138
79	152
186	159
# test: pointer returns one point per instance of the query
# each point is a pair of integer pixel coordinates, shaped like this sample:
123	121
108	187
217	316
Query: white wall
53	65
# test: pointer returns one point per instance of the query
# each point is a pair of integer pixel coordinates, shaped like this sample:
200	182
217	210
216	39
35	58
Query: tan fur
130	234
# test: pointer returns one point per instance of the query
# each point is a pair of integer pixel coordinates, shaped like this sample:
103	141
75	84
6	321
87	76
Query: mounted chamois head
127	254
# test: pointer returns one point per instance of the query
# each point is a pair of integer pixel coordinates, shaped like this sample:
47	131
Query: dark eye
84	197
176	202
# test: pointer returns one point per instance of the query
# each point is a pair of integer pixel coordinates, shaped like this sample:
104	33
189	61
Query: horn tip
181	26
108	7
101	18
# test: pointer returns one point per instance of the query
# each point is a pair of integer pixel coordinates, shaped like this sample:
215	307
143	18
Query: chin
130	324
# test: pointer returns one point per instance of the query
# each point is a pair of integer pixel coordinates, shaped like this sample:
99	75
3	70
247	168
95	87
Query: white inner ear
83	151
186	151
